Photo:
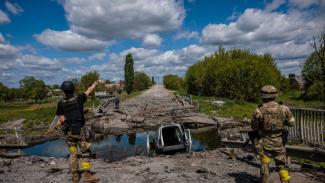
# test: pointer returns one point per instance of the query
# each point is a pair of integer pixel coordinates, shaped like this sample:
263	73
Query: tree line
36	90
239	74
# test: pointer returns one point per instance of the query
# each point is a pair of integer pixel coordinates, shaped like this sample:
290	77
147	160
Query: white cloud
302	4
153	61
69	41
275	4
152	40
288	50
108	20
186	35
259	26
37	62
285	35
8	54
97	56
4	19
13	8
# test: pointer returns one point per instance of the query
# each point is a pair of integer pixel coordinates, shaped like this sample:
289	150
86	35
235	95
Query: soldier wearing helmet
72	119
269	120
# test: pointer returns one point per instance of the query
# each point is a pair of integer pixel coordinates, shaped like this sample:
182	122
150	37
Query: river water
112	147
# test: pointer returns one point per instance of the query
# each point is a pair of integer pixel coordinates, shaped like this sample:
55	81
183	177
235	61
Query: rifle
252	136
53	125
285	134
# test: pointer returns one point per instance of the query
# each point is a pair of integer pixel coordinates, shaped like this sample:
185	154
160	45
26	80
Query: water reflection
111	147
132	138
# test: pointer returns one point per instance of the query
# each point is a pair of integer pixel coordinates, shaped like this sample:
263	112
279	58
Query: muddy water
112	147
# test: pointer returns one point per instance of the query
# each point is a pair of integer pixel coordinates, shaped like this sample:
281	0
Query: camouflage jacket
283	111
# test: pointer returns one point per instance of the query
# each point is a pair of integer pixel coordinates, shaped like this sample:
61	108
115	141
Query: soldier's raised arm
93	86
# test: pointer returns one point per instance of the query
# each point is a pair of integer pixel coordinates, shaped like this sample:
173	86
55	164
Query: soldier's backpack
72	114
272	118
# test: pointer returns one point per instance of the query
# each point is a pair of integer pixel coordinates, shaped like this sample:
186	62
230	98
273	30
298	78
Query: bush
173	82
141	81
235	74
314	91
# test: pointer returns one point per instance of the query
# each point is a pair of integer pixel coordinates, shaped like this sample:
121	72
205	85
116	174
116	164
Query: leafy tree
173	82
35	89
314	71
76	83
141	81
87	80
235	74
129	73
3	91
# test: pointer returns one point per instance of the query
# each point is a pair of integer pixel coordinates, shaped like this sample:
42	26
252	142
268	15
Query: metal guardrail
309	127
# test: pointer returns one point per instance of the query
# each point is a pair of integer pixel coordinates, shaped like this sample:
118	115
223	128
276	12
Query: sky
57	40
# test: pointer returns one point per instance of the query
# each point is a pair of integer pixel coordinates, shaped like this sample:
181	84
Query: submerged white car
169	139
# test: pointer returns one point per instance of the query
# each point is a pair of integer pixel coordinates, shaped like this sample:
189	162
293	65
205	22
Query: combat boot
75	177
89	178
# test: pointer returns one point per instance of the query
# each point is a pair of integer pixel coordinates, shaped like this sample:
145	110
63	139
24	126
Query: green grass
241	109
292	99
234	109
31	112
35	114
310	162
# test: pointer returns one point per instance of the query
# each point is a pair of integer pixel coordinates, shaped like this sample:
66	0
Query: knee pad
284	175
265	160
85	165
73	149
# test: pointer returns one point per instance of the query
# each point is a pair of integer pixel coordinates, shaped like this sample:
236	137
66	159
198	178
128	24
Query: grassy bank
42	113
30	112
241	109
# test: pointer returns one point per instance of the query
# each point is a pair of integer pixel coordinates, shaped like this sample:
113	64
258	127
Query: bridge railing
309	126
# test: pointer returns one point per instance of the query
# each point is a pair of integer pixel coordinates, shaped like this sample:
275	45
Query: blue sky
56	40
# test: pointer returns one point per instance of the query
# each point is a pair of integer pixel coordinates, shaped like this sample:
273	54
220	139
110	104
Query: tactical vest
72	114
273	120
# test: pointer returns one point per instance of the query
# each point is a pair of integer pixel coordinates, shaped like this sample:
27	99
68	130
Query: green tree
129	73
235	74
173	82
141	81
3	91
76	84
314	71
87	80
35	89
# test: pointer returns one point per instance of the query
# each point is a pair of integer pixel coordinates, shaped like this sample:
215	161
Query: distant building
296	82
122	83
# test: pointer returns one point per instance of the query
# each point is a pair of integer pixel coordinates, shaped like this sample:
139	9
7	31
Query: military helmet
269	92
67	87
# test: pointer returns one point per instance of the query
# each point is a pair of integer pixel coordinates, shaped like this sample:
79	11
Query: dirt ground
154	107
149	109
210	166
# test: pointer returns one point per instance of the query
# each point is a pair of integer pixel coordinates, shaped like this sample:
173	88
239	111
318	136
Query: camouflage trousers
75	141
272	148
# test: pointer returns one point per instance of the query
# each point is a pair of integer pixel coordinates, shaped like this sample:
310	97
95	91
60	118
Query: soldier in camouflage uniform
269	120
